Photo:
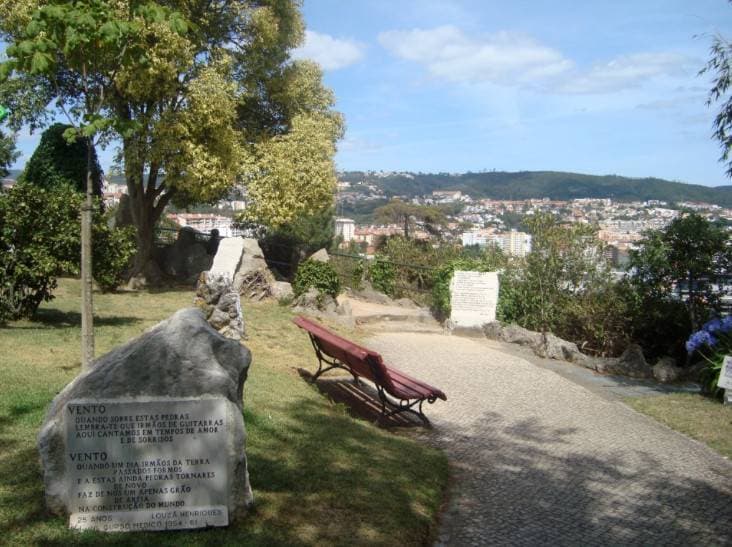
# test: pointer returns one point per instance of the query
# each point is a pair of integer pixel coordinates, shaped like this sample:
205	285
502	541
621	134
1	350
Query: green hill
541	184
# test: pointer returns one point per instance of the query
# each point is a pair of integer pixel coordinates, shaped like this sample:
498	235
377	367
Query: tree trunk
87	280
147	203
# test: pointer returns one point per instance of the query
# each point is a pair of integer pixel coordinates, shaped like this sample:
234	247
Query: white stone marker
473	298
144	466
725	379
227	258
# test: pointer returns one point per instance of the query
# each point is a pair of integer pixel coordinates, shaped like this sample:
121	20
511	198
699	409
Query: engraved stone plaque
147	465
473	298
725	375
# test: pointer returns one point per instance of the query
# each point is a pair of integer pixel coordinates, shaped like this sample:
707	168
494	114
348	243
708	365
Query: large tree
8	154
409	215
691	254
201	94
720	66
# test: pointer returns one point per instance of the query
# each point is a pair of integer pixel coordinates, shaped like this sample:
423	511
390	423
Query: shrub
382	275
317	275
40	240
712	342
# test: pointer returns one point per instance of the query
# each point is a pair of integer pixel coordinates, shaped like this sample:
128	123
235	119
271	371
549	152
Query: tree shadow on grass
361	400
57	319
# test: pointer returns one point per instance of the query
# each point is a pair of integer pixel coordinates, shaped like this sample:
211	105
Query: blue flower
712	326
726	325
699	339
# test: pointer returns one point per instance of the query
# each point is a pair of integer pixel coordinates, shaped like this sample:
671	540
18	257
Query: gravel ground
538	459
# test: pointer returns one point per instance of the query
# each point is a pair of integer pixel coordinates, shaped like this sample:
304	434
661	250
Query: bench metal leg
331	364
404	405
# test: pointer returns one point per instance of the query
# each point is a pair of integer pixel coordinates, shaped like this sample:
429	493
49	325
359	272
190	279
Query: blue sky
594	87
600	87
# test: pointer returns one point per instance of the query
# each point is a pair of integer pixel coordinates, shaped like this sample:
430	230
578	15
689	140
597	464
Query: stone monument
152	436
473	298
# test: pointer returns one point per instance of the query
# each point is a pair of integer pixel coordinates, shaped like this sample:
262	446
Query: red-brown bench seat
338	352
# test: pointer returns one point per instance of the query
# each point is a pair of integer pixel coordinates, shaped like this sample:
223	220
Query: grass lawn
704	419
319	476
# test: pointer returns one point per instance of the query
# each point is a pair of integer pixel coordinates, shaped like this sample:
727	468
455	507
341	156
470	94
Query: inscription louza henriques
153	465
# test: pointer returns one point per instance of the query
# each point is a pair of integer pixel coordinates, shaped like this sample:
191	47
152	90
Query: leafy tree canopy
201	94
57	162
720	66
408	215
8	154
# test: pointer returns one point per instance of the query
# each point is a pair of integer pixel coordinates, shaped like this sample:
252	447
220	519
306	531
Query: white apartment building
204	222
346	228
474	238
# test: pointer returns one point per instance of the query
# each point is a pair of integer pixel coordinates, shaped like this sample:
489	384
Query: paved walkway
539	459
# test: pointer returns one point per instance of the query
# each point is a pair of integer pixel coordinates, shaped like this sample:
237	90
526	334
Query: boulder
221	305
513	334
554	347
666	371
406	303
344	308
181	358
313	299
252	279
493	330
186	258
631	363
281	290
320	256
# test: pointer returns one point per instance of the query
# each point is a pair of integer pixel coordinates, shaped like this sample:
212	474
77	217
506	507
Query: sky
598	87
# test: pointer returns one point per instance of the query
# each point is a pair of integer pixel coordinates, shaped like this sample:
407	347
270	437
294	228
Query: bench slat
369	364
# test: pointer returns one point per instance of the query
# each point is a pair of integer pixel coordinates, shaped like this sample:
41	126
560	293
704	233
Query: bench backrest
364	362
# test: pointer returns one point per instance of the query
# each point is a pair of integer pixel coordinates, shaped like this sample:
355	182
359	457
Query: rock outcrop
180	358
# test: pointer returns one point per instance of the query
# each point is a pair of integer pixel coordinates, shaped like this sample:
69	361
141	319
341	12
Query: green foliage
286	245
690	252
382	275
57	162
40	240
8	154
317	275
408	215
720	65
112	254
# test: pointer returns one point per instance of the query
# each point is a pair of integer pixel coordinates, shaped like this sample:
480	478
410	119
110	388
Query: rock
227	257
320	256
196	261
253	280
666	371
493	330
180	358
631	363
369	294
513	334
281	290
554	347
186	258
406	303
344	308
313	299
221	305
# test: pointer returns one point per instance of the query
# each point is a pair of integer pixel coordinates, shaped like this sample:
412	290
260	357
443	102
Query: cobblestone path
540	460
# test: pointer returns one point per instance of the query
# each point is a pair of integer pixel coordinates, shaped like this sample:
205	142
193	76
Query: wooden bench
397	391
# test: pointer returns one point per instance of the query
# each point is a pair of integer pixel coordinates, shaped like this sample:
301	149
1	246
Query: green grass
319	476
704	419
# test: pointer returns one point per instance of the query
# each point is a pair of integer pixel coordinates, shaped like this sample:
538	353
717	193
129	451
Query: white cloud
515	59
503	58
331	53
627	71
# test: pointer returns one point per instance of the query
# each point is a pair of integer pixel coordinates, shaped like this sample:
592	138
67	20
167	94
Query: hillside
540	184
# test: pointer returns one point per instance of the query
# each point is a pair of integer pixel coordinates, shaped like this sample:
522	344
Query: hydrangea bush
713	341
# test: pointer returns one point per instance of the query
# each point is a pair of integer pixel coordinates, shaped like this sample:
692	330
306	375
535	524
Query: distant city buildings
345	228
204	222
513	243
